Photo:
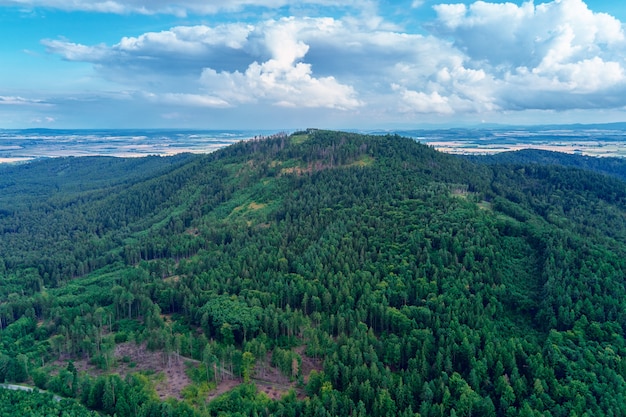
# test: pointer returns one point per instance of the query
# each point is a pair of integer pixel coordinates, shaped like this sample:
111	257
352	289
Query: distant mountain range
496	126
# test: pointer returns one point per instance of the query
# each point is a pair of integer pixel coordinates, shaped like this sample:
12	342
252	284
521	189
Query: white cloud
504	33
179	47
420	102
178	8
533	51
485	57
40	120
187	40
282	79
20	101
76	52
451	15
290	85
232	63
193	100
453	89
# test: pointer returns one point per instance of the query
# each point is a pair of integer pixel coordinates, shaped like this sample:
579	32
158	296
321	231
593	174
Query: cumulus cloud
534	51
285	84
420	102
179	49
283	79
504	33
230	64
482	57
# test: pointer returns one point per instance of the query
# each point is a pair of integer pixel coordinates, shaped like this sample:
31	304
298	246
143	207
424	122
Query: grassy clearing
298	139
485	205
363	161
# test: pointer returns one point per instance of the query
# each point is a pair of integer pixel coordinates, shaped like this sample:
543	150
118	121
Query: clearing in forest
169	377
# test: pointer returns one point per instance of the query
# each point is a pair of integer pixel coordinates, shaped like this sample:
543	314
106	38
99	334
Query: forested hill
317	274
606	165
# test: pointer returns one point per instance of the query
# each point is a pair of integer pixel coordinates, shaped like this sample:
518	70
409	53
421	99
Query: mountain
319	273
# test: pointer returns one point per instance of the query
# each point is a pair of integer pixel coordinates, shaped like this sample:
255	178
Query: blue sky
279	64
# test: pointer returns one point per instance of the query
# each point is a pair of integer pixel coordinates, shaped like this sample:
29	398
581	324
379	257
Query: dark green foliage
36	404
420	282
607	165
241	320
242	401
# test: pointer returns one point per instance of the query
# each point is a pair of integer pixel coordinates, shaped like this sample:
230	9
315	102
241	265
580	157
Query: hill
611	166
321	273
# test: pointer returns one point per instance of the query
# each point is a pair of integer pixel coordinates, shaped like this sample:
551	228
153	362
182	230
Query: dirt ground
274	384
172	368
308	364
223	387
170	377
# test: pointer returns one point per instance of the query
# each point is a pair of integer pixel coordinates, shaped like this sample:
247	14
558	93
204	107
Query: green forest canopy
420	283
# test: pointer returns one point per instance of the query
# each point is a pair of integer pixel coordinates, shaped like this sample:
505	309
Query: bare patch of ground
269	380
275	384
133	358
169	377
308	363
314	166
172	279
256	206
275	391
193	231
223	387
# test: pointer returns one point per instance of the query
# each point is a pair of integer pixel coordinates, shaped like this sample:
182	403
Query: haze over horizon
279	64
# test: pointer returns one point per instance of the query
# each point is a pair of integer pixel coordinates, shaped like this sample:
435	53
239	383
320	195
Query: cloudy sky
283	64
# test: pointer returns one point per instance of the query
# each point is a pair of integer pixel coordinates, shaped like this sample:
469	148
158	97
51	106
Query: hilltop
319	273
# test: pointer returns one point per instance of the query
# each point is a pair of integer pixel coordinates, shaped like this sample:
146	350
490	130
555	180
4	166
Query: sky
281	64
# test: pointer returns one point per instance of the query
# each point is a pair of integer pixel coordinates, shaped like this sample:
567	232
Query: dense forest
314	274
606	165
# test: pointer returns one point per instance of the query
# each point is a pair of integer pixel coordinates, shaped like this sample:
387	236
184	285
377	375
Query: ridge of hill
606	165
355	274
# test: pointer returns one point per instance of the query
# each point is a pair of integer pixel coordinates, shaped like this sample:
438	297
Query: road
25	388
